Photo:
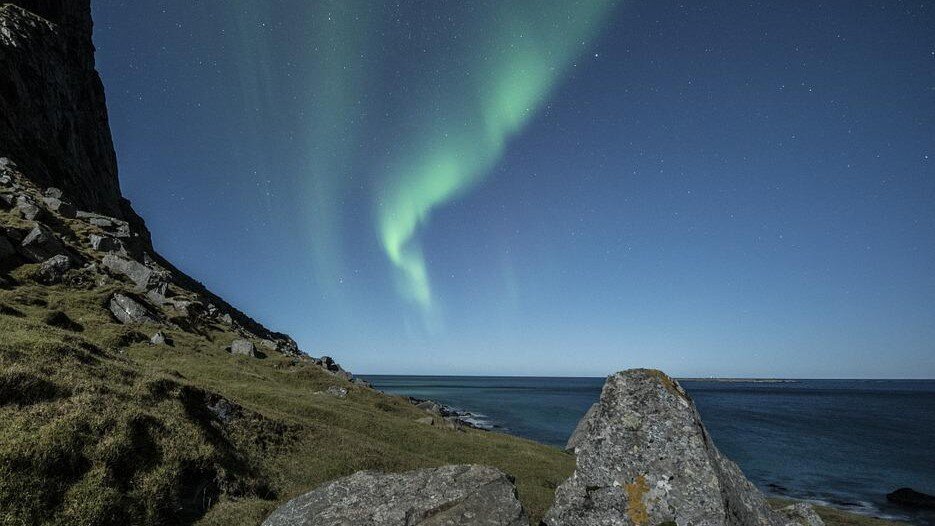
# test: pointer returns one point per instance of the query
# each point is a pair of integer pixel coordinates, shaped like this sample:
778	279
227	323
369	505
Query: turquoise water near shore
842	442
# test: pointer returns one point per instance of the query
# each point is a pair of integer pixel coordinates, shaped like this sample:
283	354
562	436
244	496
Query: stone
27	209
911	498
581	430
7	250
335	391
53	193
427	420
327	363
160	338
5	180
449	495
226	319
7	201
107	244
646	459
243	348
138	273
6	164
130	311
60	207
802	513
41	244
53	269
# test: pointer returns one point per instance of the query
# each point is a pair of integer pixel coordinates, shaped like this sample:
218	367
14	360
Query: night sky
545	188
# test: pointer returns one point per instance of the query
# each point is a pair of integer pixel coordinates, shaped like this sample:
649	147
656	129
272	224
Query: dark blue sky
555	188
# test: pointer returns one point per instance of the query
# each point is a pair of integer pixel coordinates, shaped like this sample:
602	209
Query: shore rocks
644	458
449	495
130	311
802	513
911	498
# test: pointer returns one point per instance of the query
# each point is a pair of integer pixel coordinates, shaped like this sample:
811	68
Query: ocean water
841	442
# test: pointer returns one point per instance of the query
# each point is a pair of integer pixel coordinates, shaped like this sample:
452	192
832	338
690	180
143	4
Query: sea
841	443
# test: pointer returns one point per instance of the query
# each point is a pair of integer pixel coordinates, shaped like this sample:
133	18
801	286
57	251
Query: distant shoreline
742	380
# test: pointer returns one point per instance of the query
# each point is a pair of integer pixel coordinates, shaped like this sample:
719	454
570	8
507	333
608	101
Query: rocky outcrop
449	495
911	498
644	459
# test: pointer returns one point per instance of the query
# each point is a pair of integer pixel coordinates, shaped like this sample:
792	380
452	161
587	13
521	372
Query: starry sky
561	188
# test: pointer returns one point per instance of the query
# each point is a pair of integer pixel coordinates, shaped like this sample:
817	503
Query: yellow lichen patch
667	381
636	508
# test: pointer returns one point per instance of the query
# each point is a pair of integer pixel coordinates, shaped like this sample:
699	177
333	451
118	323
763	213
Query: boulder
27	209
6	164
327	363
160	338
107	244
582	429
53	193
130	311
449	495
53	269
911	498
644	458
60	207
41	244
243	348
138	273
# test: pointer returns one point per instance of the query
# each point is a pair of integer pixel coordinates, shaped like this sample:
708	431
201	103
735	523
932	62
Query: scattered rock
160	338
449	495
27	209
645	458
911	498
361	382
427	420
60	207
243	348
226	319
53	193
328	364
802	513
6	164
138	273
53	269
6	180
335	391
107	244
130	311
41	244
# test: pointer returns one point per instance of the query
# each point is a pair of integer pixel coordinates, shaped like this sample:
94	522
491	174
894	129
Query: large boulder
449	495
243	348
644	459
144	277
53	269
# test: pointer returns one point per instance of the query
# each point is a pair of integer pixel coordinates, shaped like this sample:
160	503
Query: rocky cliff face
53	118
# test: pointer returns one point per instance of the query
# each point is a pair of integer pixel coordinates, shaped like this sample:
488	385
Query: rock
430	406
449	495
6	200
53	269
41	244
6	180
361	382
226	319
911	498
107	244
53	193
144	277
27	209
802	513
647	459
243	348
327	363
427	420
130	311
7	250
582	429
6	164
60	207
160	339
335	391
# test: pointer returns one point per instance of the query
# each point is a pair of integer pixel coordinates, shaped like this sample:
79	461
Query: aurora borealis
554	187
